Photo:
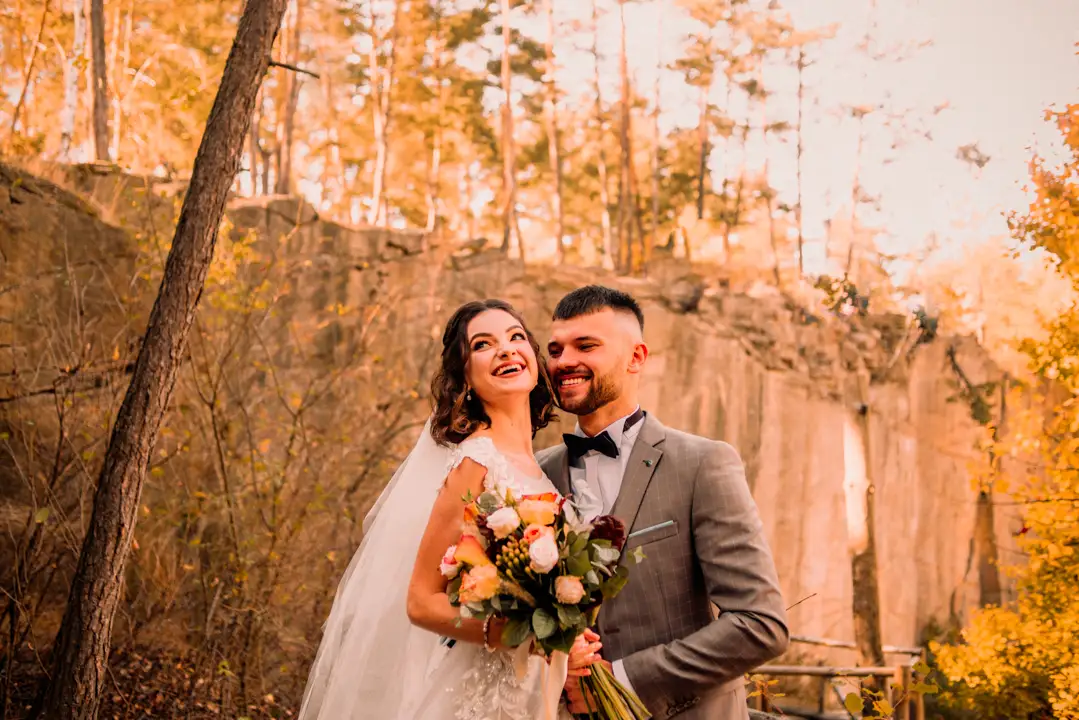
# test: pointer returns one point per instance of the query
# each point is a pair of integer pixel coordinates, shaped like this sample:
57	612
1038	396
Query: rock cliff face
788	388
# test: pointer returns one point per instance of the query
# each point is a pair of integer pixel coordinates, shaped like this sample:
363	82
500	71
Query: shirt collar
617	429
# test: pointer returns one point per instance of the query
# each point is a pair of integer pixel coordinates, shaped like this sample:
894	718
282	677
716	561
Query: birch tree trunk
382	79
79	657
71	81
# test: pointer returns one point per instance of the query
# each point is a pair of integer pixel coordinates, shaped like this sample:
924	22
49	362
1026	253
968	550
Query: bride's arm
428	605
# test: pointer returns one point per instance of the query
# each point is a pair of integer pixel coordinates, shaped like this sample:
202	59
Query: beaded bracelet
486	635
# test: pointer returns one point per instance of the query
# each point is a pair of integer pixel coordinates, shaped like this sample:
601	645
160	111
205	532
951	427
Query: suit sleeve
740	578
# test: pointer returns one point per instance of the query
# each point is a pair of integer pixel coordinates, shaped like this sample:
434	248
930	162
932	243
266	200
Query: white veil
372	662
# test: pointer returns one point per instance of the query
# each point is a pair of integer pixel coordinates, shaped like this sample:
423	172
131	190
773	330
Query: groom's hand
579	700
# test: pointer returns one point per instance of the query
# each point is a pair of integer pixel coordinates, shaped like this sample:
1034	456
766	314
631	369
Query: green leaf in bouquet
577	543
603	570
570	615
496	603
543	623
516	631
592	578
578	564
606	554
562	640
488	502
453	590
614	585
637	555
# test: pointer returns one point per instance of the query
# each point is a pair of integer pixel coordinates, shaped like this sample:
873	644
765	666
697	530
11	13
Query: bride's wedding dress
372	663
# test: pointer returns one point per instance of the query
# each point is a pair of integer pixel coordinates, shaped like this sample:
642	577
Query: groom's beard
601	391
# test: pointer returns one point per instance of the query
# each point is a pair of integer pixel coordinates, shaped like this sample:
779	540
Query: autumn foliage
1020	661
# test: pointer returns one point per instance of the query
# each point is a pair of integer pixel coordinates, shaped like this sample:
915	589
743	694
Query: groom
685	503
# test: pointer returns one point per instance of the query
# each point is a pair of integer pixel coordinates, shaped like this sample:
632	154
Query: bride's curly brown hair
455	416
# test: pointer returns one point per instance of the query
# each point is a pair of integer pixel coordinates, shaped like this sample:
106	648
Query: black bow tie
580	446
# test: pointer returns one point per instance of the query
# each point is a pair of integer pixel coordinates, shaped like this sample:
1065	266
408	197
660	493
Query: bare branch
293	68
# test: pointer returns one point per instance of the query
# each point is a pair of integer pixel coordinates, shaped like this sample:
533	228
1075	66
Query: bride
393	647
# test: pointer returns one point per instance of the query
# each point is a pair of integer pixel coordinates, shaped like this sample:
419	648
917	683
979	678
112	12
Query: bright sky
997	64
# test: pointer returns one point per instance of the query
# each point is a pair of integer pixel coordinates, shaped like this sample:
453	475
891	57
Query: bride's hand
585	652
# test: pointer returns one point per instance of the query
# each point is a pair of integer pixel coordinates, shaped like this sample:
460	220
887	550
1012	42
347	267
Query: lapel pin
648	463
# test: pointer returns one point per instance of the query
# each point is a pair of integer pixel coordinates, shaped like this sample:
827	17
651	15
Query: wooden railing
911	705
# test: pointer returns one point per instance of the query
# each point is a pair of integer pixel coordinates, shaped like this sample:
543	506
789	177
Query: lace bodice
502	474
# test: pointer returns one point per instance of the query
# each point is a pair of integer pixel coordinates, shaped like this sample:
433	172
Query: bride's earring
468	395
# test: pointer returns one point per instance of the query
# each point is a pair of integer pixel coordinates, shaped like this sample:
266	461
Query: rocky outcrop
778	380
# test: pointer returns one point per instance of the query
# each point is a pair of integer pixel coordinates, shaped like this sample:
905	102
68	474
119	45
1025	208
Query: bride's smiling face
501	361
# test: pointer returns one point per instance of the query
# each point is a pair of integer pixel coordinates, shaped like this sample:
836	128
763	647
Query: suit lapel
643	461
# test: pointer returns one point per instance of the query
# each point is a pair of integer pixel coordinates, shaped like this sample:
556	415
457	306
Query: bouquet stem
609	699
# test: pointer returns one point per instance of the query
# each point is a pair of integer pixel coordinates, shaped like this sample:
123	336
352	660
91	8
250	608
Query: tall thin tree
100	81
79	657
511	236
382	83
71	80
626	204
601	153
550	107
656	140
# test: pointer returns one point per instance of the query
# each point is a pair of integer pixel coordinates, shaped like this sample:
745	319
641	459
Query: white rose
544	554
449	566
503	522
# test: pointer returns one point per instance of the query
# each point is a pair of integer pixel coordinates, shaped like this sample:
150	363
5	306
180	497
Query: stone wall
783	385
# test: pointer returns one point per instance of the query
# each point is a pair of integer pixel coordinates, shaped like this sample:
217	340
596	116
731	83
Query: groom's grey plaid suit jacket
686	504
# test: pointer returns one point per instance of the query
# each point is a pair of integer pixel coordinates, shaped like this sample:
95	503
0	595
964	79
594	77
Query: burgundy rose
608	527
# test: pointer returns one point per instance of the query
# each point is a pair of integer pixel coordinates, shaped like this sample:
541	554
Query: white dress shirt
596	486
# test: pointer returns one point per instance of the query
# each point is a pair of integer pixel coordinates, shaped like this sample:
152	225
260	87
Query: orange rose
470	552
479	584
537	512
543	497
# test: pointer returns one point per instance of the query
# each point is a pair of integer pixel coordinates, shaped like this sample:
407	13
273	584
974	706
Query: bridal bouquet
533	563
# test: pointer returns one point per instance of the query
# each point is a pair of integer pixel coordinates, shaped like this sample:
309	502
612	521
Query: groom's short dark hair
594	298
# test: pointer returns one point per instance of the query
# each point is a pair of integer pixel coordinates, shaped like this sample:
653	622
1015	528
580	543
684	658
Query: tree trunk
100	82
798	165
985	534
655	131
769	198
29	71
382	79
702	138
861	528
120	70
601	123
734	217
511	236
80	654
284	177
253	150
625	209
71	81
855	195
553	152
434	169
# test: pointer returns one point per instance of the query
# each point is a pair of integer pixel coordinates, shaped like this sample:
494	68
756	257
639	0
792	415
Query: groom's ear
638	358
